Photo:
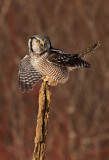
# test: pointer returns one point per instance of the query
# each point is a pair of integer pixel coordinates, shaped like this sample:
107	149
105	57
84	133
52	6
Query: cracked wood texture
42	122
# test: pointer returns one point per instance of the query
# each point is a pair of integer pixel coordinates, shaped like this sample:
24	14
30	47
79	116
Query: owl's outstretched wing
27	76
63	59
67	60
80	54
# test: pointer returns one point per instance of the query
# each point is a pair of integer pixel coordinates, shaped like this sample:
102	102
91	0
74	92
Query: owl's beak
43	44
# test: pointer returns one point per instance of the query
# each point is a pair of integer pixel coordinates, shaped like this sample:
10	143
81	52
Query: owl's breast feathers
53	71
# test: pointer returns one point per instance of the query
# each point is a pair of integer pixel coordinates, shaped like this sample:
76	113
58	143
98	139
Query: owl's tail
86	51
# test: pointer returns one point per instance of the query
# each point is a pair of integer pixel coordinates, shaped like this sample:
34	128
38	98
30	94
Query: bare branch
42	122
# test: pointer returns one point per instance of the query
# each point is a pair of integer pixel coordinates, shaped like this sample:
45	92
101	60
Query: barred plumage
48	63
67	60
28	76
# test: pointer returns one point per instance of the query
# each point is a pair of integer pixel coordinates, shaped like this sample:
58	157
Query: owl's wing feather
28	76
54	50
63	59
67	60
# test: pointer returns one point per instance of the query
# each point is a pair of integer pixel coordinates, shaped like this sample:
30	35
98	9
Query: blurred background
79	117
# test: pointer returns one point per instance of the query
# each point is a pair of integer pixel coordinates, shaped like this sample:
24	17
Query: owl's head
39	44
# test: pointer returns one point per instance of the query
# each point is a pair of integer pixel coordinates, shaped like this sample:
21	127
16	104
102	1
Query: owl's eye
38	41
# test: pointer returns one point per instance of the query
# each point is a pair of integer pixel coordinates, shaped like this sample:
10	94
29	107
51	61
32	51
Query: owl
48	63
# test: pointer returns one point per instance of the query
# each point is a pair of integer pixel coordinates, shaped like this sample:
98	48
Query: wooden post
42	122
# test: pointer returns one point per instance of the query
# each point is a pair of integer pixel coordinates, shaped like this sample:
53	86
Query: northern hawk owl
47	63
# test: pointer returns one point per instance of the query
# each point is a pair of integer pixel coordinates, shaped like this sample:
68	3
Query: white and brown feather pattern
62	58
28	76
67	60
46	68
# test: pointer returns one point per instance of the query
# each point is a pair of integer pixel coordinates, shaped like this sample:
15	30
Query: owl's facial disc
39	44
36	45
